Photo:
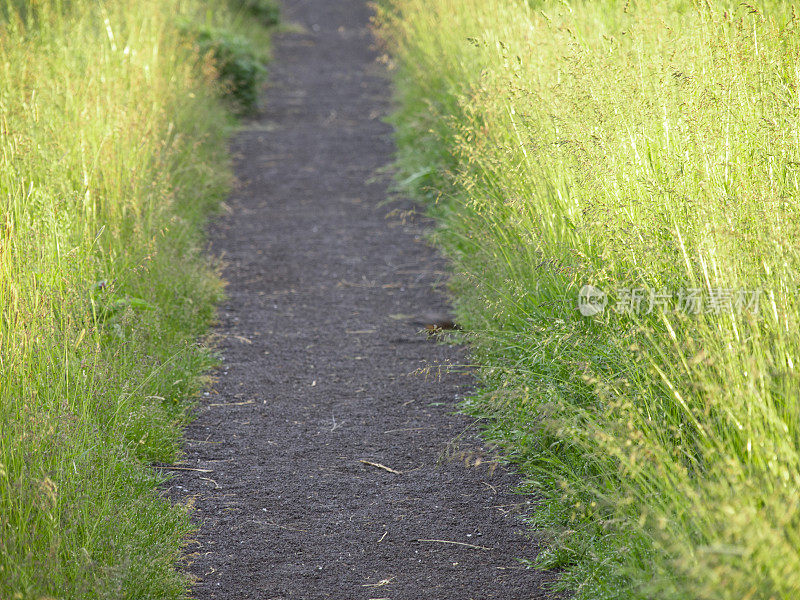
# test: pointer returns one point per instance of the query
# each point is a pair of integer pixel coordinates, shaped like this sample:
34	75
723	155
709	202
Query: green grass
643	144
112	153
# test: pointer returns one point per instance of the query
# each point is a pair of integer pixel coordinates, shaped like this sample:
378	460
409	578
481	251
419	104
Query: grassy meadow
113	129
651	149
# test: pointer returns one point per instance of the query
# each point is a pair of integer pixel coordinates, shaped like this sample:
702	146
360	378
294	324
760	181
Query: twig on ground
335	424
457	543
233	403
380	466
171	468
218	486
381	583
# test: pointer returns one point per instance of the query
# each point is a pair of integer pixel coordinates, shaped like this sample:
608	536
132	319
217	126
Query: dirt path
318	360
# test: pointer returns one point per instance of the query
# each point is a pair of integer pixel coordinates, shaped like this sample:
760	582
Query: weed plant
112	153
643	145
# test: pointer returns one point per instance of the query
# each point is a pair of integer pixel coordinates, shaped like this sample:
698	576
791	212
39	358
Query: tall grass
643	144
112	152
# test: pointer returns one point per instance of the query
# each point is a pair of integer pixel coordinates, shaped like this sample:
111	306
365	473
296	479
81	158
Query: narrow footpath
326	462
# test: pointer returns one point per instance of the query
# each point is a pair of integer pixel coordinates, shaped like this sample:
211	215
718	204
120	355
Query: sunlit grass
644	144
112	153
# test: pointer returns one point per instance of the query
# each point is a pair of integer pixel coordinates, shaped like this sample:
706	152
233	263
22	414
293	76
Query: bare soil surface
323	382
